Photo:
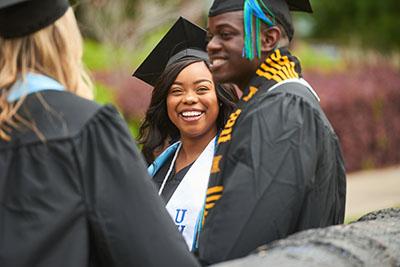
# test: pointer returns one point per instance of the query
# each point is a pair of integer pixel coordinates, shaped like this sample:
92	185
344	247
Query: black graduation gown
82	197
173	180
278	168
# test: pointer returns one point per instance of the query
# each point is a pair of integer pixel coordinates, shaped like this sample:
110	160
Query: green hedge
369	23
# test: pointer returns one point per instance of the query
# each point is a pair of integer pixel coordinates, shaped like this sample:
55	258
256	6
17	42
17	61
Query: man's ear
270	37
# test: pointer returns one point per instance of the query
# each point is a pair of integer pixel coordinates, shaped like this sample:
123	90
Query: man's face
225	48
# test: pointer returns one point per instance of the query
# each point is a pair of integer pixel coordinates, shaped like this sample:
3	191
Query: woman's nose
190	99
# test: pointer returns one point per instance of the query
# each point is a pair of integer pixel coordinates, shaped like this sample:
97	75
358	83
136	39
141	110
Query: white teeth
191	113
217	62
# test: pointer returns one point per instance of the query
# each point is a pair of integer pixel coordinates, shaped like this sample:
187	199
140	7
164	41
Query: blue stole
162	158
32	83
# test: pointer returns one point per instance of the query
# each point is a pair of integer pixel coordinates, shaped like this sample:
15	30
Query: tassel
252	41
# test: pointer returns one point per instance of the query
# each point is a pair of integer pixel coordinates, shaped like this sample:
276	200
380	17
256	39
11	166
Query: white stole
187	202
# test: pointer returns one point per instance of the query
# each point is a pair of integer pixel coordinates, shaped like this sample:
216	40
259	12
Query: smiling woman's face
192	103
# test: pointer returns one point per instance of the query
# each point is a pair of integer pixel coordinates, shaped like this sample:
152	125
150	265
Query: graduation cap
223	6
183	40
276	9
22	17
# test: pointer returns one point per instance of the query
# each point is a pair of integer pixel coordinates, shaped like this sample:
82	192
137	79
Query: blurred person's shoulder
59	115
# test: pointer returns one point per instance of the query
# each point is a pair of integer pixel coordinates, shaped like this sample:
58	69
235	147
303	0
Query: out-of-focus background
350	52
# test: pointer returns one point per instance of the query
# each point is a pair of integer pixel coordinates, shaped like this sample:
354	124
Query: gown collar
279	66
32	83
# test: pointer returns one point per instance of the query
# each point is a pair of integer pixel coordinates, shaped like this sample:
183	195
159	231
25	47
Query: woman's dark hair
157	130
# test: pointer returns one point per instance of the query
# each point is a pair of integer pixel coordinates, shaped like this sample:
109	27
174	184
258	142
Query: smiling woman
186	112
192	105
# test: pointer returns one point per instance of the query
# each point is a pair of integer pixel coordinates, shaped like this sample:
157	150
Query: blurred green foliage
99	56
103	94
366	23
325	58
96	56
134	127
147	45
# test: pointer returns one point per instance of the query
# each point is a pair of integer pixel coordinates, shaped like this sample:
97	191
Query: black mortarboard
183	40
280	8
22	17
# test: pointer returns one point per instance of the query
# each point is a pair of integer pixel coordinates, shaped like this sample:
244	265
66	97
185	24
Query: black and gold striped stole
278	67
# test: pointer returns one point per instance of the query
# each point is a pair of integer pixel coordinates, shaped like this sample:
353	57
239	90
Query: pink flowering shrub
132	96
363	105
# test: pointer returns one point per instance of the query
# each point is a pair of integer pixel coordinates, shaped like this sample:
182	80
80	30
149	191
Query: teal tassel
248	32
258	38
252	40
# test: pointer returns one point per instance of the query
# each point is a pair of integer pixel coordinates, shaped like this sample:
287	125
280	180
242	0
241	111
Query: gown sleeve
270	179
128	223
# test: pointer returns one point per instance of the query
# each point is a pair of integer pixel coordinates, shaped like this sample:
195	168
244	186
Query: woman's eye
175	91
202	89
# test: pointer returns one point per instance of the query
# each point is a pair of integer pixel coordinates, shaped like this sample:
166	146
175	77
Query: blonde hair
55	51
